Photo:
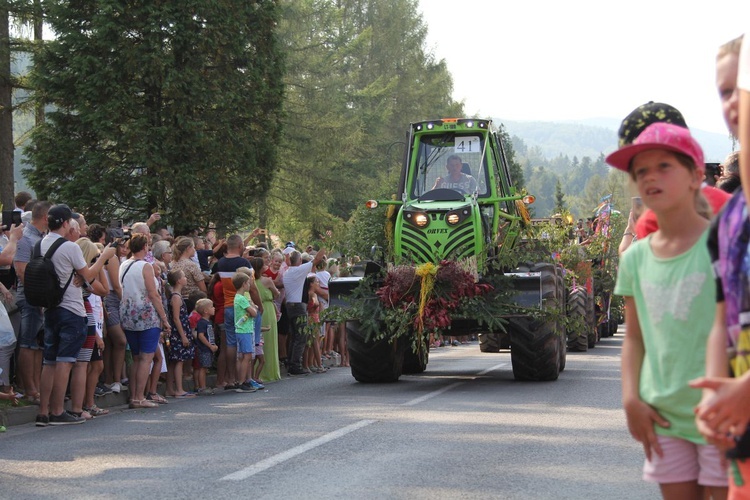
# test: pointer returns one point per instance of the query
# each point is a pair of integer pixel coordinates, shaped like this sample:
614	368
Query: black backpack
41	285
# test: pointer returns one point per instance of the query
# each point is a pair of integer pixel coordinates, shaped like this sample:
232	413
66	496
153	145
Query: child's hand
724	409
641	420
214	348
185	341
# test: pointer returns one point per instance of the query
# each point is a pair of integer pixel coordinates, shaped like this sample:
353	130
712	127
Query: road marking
293	452
431	394
488	370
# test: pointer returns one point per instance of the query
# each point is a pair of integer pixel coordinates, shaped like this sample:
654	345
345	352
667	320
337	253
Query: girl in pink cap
669	292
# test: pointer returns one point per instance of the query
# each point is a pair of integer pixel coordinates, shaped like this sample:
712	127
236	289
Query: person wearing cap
630	128
64	325
294	282
722	414
665	279
32	317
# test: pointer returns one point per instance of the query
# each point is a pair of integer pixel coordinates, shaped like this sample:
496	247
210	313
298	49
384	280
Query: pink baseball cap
659	136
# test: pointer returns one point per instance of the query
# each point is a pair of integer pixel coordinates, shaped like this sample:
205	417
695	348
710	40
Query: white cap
287	250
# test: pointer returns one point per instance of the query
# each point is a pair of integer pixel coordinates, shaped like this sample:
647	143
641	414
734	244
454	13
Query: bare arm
155	298
15	234
641	417
91	272
113	269
255	296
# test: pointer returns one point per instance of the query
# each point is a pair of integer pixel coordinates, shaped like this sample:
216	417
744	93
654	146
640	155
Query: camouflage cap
643	116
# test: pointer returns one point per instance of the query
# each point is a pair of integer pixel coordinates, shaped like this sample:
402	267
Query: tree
159	106
358	74
560	205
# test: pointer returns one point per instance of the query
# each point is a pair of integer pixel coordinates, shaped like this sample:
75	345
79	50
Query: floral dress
178	352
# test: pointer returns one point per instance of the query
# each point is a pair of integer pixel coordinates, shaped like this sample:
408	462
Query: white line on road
297	450
488	370
431	394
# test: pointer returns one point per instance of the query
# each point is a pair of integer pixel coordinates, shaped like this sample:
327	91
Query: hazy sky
575	59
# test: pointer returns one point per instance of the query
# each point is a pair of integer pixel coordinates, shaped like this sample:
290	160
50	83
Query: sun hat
645	115
659	136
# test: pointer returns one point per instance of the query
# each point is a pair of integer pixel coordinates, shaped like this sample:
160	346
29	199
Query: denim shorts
229	327
245	343
64	335
112	304
32	321
144	341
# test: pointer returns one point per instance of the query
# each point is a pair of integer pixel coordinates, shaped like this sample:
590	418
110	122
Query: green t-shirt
242	326
675	300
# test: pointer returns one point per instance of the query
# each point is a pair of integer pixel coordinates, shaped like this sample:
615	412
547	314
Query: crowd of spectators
147	308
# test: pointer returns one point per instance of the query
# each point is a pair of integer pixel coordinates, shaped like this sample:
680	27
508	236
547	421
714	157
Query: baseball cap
645	115
287	250
60	213
289	244
659	136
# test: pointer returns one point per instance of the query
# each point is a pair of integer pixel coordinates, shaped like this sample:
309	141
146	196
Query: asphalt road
463	429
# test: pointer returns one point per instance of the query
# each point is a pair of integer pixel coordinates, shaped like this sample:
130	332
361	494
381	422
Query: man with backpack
64	322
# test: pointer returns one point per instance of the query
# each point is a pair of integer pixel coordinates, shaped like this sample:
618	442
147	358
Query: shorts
259	350
32	322
112	305
685	461
229	327
96	354
206	358
87	349
143	341
64	335
245	344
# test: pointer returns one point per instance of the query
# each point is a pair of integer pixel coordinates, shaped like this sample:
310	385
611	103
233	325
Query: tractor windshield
450	161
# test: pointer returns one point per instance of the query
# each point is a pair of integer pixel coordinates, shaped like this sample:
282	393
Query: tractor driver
455	179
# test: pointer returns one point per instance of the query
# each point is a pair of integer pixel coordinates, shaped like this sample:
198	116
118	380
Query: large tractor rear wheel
373	361
416	362
593	332
535	344
489	342
578	338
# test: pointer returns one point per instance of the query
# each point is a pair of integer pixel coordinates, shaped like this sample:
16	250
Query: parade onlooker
268	370
226	268
142	316
294	283
115	341
181	347
32	318
244	325
205	344
95	315
65	324
665	279
182	253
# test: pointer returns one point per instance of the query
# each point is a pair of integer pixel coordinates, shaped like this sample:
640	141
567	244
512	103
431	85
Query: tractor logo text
437	231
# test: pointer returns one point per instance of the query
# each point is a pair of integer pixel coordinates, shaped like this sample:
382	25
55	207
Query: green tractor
456	201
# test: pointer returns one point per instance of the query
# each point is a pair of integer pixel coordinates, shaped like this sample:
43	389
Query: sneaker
65	418
245	388
116	387
256	385
102	389
293	372
42	421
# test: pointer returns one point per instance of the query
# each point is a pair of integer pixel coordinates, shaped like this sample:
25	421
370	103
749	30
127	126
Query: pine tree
168	106
560	205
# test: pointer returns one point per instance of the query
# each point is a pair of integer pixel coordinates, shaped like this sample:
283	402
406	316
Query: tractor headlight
455	217
418	219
